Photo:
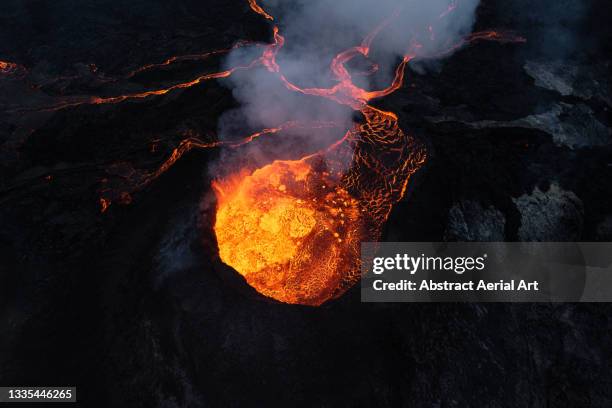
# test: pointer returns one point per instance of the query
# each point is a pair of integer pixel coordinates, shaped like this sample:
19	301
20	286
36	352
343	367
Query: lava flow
293	229
10	68
289	229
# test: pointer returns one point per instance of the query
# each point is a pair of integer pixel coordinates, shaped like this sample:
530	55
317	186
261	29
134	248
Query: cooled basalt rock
584	82
469	221
604	230
573	126
552	215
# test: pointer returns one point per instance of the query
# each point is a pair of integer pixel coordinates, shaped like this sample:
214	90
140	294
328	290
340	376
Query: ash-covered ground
126	303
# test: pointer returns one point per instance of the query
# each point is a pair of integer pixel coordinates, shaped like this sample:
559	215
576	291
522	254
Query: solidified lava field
109	274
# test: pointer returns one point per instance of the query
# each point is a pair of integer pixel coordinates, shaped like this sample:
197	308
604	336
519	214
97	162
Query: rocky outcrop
552	215
469	221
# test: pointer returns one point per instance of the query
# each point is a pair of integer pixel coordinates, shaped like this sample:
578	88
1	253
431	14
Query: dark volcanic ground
126	305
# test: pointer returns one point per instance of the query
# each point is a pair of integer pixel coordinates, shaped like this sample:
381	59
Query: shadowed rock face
469	221
553	215
128	300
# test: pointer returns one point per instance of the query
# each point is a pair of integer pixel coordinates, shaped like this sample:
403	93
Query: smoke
315	32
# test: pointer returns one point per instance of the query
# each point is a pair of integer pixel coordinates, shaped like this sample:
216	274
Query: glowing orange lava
10	68
257	8
290	230
293	229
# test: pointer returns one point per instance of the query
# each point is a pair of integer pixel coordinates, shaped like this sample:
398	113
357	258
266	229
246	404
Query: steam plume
316	31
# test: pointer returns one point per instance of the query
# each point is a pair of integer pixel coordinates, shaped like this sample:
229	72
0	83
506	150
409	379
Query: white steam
315	31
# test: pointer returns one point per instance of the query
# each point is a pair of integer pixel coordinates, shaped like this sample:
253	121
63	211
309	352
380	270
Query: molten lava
293	229
10	69
257	8
290	229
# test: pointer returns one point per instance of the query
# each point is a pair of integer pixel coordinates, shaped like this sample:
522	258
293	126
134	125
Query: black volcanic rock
127	305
